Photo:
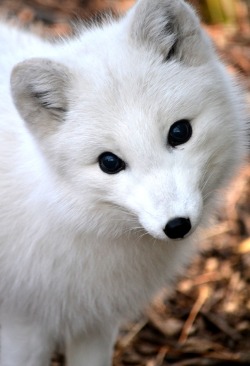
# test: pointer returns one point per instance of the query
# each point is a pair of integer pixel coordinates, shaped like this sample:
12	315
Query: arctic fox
113	146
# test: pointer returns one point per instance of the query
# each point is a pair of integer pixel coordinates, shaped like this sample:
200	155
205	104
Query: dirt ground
205	320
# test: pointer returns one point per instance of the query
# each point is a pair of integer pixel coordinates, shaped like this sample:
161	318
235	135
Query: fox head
137	119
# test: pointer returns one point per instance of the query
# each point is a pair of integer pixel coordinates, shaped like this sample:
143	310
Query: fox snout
166	214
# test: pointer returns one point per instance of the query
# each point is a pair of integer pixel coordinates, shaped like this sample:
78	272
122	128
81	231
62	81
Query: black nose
177	228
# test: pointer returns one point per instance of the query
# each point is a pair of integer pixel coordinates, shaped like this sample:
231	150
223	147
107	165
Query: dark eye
110	163
180	132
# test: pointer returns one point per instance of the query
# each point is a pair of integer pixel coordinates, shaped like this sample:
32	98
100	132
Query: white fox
113	146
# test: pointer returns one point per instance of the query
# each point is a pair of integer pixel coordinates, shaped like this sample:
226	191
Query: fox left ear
39	89
172	28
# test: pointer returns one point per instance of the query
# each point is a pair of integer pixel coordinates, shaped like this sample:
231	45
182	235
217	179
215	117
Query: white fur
80	250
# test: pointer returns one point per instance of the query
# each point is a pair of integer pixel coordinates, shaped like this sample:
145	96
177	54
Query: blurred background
205	320
213	11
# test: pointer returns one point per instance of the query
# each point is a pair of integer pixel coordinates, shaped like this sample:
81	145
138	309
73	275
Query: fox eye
179	133
110	163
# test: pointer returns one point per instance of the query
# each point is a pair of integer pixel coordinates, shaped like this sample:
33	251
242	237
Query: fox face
139	124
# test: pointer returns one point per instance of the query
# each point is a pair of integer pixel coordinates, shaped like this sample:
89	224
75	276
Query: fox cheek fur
113	147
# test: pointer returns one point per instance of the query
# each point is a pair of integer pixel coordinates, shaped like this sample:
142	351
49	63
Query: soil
205	319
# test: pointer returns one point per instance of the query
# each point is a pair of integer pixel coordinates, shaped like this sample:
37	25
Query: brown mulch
205	320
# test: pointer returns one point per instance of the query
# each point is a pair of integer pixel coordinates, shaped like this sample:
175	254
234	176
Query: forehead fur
136	105
140	81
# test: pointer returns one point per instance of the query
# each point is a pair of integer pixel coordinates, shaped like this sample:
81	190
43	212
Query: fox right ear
172	28
39	90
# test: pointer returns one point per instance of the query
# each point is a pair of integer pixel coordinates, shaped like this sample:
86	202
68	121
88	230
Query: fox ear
171	28
39	89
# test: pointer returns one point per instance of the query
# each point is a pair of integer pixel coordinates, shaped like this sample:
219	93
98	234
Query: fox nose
177	228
